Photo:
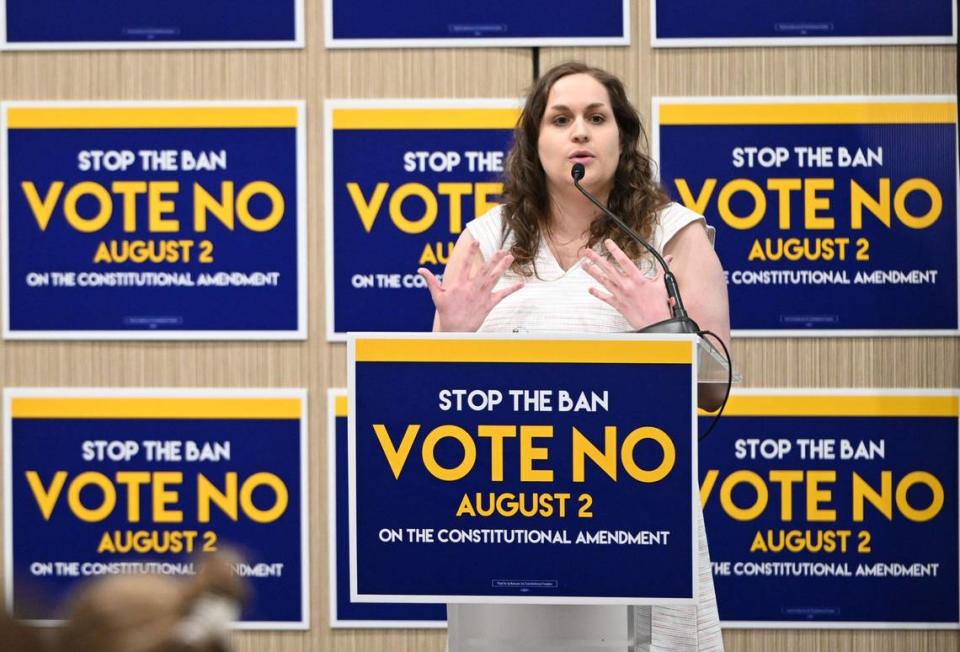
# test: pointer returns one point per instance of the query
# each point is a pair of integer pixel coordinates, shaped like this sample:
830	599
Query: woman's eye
560	120
598	119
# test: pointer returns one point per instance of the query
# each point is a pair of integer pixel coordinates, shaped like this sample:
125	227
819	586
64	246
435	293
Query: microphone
680	322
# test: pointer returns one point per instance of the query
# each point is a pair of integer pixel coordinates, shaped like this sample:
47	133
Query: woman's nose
580	132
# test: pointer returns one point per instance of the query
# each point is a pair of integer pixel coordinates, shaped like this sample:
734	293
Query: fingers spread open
433	284
604	265
607	298
604	278
500	295
493	270
628	267
474	260
499	264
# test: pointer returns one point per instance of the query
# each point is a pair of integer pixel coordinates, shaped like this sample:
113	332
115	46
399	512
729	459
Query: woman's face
578	126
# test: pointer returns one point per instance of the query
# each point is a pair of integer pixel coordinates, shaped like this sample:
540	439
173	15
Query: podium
542	487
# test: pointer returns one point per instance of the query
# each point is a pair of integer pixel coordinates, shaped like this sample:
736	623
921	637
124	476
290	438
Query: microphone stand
681	321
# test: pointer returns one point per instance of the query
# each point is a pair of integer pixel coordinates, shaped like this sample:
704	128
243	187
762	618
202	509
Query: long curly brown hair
635	197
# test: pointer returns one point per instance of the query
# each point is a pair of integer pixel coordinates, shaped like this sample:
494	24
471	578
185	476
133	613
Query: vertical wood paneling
314	74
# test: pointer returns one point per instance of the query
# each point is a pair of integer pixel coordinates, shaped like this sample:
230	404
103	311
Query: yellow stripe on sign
151	117
575	351
340	406
425	118
809	114
156	408
842	406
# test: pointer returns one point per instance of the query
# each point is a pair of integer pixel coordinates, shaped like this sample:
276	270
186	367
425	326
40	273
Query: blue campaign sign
522	23
154	221
104	482
835	508
832	214
403	179
345	613
693	23
521	470
151	24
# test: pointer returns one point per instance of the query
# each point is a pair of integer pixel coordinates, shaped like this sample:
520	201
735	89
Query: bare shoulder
692	238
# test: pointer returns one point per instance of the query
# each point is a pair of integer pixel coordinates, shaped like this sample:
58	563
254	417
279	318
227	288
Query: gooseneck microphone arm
680	322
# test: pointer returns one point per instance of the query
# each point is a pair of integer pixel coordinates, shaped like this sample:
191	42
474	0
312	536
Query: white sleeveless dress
558	301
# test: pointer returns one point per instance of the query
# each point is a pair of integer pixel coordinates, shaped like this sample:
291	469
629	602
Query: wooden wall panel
314	74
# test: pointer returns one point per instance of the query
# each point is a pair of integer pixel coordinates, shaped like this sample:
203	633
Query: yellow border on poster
560	351
130	117
809	113
341	406
399	118
155	408
811	405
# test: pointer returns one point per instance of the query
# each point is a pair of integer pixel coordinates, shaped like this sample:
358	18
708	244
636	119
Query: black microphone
680	322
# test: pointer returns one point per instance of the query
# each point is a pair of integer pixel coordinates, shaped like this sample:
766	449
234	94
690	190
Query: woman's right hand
466	296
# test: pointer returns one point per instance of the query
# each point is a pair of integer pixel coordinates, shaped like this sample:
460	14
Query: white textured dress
558	301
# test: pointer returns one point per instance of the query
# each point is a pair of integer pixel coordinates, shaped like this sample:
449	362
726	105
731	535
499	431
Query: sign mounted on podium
506	469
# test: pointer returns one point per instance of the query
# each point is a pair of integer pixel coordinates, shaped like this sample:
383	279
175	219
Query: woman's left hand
642	300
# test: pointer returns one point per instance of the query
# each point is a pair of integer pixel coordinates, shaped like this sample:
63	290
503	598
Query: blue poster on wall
505	470
153	221
836	508
150	24
834	216
132	482
345	613
694	23
493	23
402	181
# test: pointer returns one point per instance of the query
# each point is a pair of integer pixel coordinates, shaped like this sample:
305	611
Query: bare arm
704	290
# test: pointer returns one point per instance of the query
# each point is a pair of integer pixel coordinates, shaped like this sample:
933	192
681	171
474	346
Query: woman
547	260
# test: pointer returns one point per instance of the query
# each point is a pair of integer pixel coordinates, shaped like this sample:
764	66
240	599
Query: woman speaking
548	260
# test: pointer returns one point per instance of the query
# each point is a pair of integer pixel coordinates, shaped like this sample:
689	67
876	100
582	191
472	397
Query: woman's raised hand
642	300
464	300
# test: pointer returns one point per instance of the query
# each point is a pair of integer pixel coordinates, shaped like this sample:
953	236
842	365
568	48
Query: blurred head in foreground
147	613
